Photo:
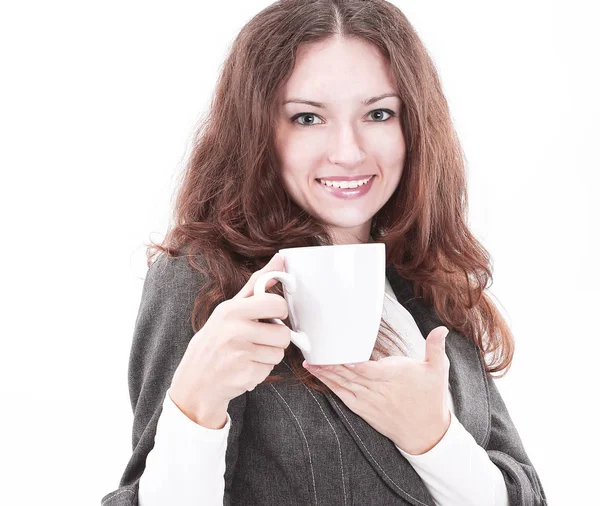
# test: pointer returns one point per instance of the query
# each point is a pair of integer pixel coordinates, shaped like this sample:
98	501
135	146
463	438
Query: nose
345	149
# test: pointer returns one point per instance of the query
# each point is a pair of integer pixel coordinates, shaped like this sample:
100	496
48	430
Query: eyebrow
369	101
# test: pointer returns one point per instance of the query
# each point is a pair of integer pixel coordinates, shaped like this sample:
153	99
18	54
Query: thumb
435	345
275	264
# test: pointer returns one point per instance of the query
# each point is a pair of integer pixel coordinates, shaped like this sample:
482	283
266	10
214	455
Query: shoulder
168	271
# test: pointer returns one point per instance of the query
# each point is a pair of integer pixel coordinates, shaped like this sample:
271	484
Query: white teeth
344	184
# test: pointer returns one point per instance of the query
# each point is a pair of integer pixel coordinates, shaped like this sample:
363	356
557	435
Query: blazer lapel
467	387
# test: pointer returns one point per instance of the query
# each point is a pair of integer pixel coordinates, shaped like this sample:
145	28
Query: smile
346	189
346	183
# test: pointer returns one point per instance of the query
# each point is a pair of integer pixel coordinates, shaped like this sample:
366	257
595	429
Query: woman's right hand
232	353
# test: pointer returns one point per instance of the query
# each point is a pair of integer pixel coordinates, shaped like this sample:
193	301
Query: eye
303	115
312	115
386	111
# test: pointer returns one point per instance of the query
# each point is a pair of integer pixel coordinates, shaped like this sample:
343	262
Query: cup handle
288	281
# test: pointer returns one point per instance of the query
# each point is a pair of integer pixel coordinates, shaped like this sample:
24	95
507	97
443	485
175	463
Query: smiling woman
328	127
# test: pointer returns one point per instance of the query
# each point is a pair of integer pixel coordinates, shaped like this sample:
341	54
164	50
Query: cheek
296	166
295	182
396	175
294	161
290	185
393	159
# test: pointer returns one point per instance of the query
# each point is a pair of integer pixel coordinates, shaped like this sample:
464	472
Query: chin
346	222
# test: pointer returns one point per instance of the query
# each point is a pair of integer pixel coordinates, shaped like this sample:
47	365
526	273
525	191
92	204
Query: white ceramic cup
335	299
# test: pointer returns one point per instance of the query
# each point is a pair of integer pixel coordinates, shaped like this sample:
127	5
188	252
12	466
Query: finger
370	370
378	370
269	334
275	264
341	375
435	347
331	373
264	305
266	354
348	397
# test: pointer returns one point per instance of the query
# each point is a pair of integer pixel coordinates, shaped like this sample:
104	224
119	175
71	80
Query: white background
98	103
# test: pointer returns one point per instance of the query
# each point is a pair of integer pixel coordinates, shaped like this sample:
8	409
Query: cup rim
339	246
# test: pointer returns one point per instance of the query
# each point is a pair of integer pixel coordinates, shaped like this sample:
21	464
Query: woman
329	126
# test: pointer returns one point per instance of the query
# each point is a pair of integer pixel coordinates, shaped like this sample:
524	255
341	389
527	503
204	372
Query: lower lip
348	193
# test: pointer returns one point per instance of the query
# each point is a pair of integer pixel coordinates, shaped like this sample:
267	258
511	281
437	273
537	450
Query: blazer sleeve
506	450
162	332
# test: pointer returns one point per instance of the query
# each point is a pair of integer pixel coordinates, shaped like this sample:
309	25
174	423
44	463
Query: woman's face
339	140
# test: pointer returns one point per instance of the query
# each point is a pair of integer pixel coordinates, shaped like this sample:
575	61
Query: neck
355	235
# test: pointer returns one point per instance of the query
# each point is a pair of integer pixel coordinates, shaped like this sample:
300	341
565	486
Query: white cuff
186	466
180	422
457	471
431	458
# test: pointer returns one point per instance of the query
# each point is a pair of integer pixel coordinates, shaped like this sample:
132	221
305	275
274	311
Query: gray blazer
289	445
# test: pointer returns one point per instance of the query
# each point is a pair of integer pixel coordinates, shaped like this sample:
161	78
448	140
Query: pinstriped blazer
290	445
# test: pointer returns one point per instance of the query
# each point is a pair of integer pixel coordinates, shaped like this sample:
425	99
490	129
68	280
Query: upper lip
346	178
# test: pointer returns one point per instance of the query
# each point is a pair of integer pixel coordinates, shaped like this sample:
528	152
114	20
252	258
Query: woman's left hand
402	398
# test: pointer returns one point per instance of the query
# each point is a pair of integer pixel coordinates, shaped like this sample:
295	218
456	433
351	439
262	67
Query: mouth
345	182
346	188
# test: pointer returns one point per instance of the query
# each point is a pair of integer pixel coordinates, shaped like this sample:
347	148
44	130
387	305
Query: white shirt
186	466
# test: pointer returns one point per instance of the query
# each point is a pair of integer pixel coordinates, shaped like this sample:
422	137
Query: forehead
338	70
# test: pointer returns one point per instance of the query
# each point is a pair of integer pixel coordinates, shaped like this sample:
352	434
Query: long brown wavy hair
232	212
